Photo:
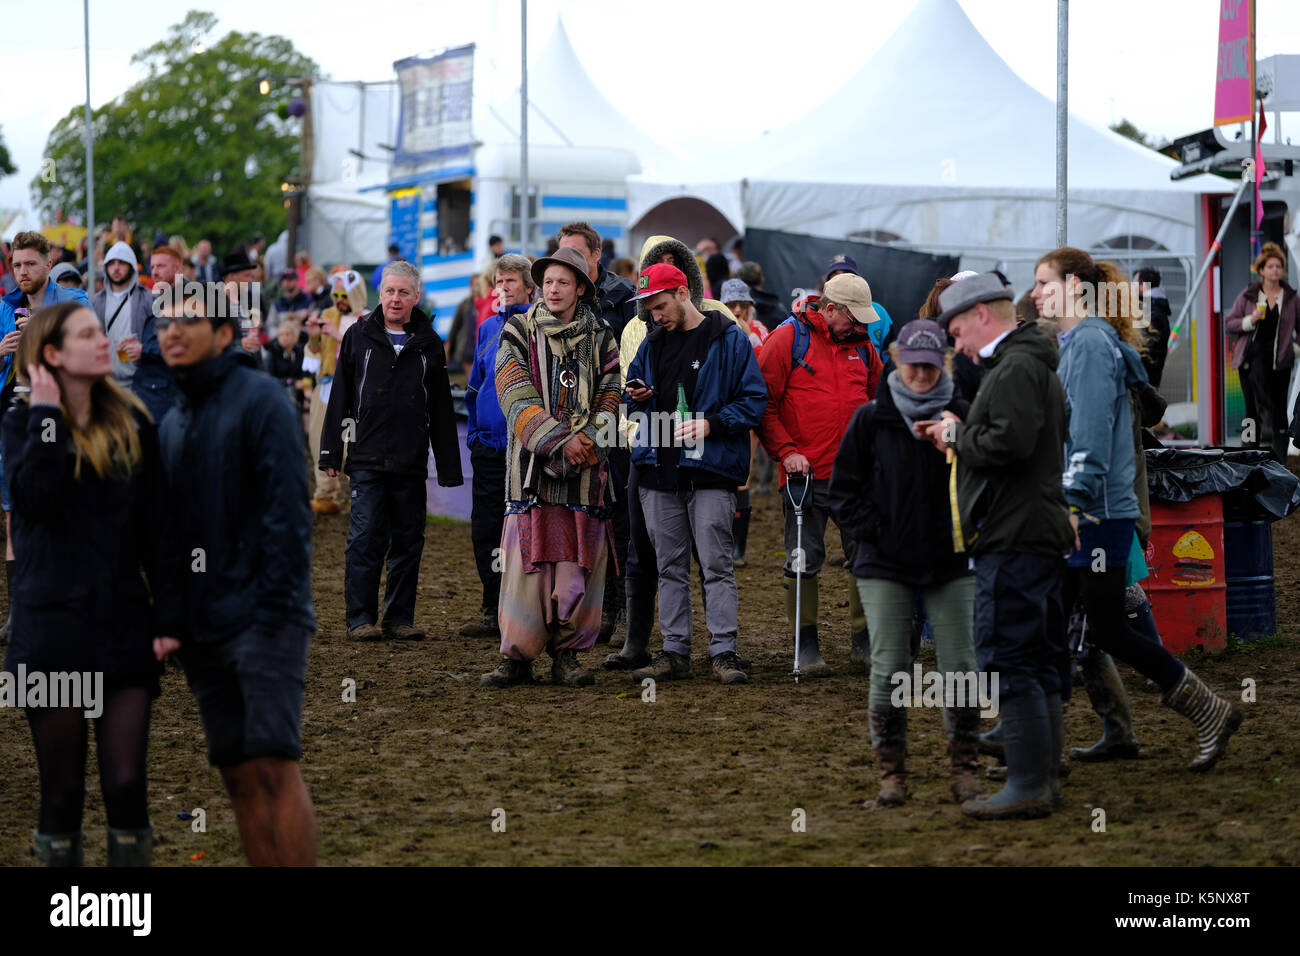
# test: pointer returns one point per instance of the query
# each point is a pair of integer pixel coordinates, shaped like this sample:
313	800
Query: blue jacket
729	392
54	293
487	424
1097	370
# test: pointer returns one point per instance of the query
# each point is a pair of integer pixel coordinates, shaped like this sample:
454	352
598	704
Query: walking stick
801	482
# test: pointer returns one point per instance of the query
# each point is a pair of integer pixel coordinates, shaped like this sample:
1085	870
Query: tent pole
90	165
1062	114
523	127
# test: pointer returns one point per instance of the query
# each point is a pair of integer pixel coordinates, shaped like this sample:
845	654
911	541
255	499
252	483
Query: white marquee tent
940	145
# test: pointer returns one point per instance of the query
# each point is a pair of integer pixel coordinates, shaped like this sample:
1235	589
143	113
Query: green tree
1127	129
7	168
192	148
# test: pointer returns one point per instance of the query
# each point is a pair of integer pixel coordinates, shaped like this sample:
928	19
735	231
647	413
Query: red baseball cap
660	278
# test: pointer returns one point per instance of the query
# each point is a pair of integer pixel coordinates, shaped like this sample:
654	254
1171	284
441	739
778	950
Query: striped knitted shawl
554	381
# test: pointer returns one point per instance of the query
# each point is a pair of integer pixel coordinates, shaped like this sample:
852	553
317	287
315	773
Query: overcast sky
752	65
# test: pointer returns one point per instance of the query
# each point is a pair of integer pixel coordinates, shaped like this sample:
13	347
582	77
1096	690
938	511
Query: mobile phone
634	384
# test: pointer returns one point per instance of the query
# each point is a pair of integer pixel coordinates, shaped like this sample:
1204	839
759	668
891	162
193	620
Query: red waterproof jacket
809	412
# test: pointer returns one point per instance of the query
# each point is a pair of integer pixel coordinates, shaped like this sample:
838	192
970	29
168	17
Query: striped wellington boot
1216	720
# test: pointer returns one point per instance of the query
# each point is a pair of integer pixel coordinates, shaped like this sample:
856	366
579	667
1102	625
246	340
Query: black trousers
486	518
1020	623
387	520
1265	392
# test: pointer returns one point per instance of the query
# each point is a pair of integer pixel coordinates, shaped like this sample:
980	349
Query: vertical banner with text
1234	86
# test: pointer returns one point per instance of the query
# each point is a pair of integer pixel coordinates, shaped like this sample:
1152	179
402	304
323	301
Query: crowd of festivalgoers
975	461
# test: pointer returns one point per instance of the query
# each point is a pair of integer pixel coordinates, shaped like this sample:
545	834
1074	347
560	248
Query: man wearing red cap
698	367
819	366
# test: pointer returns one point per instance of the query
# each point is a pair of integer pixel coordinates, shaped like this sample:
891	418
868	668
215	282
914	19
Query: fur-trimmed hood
683	258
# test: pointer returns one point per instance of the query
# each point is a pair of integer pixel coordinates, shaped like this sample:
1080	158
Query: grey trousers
673	520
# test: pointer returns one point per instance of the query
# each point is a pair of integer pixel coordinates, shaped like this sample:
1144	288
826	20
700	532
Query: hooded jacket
487	423
729	392
651	251
1010	452
810	410
1097	369
238	498
889	492
397	406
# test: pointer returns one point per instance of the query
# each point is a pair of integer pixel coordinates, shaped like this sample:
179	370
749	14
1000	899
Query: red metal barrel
1188	581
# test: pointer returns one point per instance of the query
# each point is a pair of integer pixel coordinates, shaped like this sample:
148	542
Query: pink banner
1234	86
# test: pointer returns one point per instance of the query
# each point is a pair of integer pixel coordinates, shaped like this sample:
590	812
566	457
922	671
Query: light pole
90	163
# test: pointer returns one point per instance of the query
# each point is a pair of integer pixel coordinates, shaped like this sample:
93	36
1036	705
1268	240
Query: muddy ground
412	772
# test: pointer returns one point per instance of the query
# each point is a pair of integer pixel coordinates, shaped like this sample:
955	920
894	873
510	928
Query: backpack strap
799	345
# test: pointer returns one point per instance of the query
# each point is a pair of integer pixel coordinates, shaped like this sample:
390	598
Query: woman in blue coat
1099	364
85	479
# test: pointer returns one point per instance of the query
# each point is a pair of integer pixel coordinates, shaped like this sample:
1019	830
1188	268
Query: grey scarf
920	408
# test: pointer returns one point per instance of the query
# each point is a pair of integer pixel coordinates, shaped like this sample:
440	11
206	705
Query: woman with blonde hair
1099	364
85	476
1264	321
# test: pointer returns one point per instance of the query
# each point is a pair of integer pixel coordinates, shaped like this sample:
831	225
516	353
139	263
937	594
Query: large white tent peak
937	106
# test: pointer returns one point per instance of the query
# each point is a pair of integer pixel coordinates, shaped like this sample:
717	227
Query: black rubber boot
611	614
810	655
635	651
740	532
130	847
1060	767
1027	737
1109	699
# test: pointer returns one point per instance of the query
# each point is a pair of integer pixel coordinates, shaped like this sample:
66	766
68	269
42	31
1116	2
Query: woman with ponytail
85	478
1094	305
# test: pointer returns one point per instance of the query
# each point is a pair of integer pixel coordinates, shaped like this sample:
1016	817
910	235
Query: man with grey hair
513	292
390	403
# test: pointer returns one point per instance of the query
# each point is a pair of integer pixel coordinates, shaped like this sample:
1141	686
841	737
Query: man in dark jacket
1156	310
1014	520
700	368
391	402
243	531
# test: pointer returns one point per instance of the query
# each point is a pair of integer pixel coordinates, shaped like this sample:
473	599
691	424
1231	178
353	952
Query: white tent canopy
939	143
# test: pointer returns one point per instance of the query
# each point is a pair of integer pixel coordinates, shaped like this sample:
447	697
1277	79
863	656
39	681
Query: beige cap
852	292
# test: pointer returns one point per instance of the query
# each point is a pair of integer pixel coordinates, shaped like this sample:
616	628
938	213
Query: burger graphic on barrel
1193	561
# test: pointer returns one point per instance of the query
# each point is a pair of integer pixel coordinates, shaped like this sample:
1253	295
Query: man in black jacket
243	533
391	402
1014	519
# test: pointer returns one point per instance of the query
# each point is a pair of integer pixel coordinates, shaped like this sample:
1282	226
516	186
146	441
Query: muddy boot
740	528
1216	720
485	626
1110	701
665	666
810	655
889	739
508	673
1027	737
991	743
1060	765
963	751
566	671
58	849
640	619
130	847
859	636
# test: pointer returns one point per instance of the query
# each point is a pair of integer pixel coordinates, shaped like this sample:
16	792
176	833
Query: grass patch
445	521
